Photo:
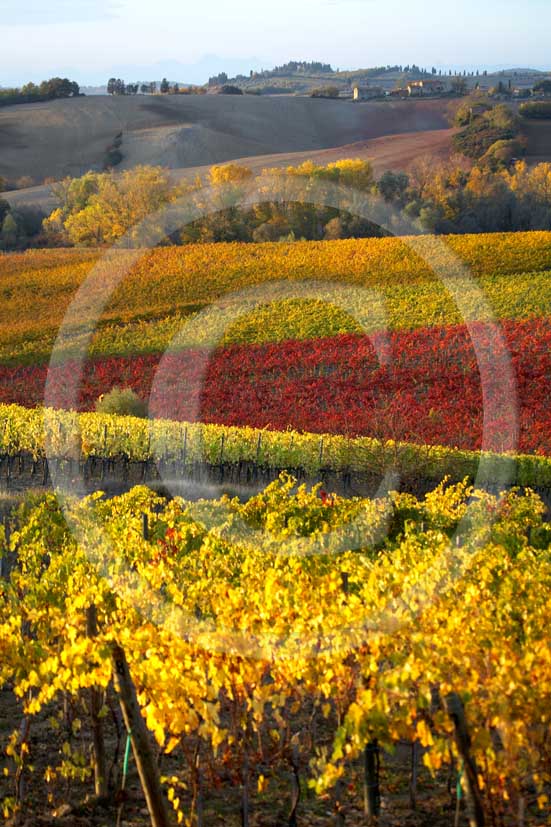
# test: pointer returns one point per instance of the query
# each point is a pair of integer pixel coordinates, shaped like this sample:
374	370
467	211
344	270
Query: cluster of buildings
414	89
519	87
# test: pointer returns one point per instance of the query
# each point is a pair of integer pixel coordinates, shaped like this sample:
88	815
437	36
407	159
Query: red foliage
428	388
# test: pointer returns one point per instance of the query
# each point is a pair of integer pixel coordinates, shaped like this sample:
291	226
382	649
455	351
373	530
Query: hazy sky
90	39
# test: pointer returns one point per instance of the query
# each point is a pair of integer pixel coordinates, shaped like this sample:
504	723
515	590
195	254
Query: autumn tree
99	209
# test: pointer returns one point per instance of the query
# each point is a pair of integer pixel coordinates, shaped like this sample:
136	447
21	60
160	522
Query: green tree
4	209
325	92
459	86
393	185
543	87
9	232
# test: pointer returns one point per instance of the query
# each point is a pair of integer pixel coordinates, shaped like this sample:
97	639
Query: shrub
283	89
8	232
544	87
230	90
29	218
325	92
470	108
271	230
121	401
496	124
503	153
113	157
24	182
537	110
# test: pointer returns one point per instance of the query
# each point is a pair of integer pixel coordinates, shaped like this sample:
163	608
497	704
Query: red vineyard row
450	386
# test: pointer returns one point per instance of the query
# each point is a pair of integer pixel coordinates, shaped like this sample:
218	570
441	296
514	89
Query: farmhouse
364	93
521	92
417	88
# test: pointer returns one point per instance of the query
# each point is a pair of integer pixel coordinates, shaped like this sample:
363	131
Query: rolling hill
189	133
68	137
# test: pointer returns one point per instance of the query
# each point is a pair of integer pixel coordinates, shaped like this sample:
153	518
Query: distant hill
301	77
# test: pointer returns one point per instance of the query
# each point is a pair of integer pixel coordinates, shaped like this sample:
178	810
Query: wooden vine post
258	447
104	457
371	781
5	558
141	744
372	792
413	775
295	790
456	711
197	804
96	703
245	791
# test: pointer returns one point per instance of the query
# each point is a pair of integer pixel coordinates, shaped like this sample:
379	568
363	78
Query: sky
91	40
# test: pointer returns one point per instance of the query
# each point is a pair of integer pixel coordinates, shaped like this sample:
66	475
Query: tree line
448	197
117	86
45	91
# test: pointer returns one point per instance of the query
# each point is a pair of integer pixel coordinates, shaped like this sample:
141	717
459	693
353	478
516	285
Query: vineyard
293	656
166	286
73	442
423	387
372	344
270	643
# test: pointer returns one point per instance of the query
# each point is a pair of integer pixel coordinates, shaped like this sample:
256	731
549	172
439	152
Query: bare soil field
538	134
69	137
190	133
395	152
174	145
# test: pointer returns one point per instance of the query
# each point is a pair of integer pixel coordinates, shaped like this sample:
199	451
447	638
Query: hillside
538	134
302	77
68	137
396	152
389	152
